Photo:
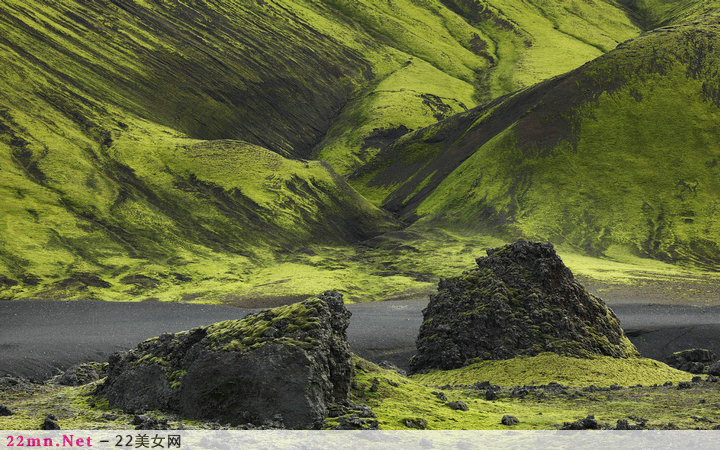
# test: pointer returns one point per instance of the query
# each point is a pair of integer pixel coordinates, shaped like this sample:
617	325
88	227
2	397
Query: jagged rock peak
521	300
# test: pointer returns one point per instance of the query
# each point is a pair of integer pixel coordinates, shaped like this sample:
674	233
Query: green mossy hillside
141	141
153	210
620	153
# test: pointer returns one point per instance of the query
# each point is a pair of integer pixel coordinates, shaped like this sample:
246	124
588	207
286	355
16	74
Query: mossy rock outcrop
291	362
521	300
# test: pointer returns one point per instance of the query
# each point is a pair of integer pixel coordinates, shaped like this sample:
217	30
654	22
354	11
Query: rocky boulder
695	360
291	362
521	300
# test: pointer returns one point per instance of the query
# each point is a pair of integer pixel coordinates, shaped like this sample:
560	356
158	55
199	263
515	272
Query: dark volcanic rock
458	406
50	423
415	422
714	369
521	300
696	360
5	411
148	422
509	420
588	423
293	361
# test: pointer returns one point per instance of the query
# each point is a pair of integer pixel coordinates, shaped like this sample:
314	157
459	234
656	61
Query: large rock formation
293	361
521	300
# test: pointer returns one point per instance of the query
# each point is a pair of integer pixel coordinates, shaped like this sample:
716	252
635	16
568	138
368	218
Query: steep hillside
650	14
618	155
456	54
152	145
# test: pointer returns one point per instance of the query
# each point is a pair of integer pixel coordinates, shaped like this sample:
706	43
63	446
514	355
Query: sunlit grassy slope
153	149
620	155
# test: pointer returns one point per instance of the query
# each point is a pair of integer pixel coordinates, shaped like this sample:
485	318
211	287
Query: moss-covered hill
147	144
620	155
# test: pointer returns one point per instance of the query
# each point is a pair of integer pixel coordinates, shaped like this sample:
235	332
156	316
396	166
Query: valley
158	155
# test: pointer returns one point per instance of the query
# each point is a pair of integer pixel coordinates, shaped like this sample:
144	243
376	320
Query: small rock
440	395
625	425
615	387
490	395
696	379
714	368
684	385
354	422
702	401
457	406
712	379
108	416
588	423
509	420
668	383
148	422
364	411
50	423
519	392
5	411
374	384
416	423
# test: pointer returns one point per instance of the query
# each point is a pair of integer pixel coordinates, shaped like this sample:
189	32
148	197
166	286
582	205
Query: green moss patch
548	367
292	322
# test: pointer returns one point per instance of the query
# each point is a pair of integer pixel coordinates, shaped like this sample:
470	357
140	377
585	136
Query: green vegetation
291	322
651	14
145	154
256	153
618	156
156	150
395	399
601	371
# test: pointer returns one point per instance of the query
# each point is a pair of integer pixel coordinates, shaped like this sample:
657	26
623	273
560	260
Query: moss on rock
521	300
